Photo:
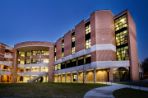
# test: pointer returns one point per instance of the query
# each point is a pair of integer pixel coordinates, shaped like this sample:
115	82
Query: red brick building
101	48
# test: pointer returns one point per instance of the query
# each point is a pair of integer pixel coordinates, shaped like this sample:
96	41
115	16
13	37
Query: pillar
65	77
111	74
94	75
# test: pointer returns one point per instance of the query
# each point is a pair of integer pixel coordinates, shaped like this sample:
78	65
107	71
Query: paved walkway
106	92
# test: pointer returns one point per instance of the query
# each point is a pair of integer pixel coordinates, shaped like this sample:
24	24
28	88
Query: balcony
7	63
32	73
96	65
5	72
33	65
8	55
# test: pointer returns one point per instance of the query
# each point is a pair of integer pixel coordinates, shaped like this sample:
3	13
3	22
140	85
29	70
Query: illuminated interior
122	38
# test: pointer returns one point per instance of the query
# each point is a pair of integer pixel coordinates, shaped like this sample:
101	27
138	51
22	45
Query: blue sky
47	20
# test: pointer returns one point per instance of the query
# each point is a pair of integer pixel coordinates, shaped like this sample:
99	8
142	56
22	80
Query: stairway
38	78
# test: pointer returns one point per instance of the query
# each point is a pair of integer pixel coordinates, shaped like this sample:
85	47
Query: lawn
45	90
130	93
138	83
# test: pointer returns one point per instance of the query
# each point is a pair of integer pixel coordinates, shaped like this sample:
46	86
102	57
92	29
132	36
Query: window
55	50
45	52
122	53
22	62
62	54
88	44
87	28
80	61
73	50
87	35
22	54
58	67
45	60
62	47
73	43
28	61
73	62
122	38
120	23
55	58
63	66
28	53
88	59
73	37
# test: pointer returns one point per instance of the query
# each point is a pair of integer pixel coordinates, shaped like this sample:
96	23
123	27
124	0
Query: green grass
130	93
45	90
138	83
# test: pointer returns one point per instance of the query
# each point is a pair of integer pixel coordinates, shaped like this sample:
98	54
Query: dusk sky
47	20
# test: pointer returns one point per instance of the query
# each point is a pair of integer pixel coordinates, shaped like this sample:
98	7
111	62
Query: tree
145	65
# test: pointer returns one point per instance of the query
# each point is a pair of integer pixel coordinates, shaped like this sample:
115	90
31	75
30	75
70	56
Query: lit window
59	66
55	58
73	38
56	67
120	23
62	54
22	54
45	52
73	50
122	53
88	44
122	38
45	60
28	53
87	29
22	62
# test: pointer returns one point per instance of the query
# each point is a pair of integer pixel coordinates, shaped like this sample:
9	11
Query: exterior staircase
38	78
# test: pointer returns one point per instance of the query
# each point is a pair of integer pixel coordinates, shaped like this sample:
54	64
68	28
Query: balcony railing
7	63
33	65
8	55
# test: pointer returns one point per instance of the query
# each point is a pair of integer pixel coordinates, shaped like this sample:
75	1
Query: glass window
28	53
87	28
120	23
122	38
45	60
62	54
88	44
88	59
73	50
122	53
22	54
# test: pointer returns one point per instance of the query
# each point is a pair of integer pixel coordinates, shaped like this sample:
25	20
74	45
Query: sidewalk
106	92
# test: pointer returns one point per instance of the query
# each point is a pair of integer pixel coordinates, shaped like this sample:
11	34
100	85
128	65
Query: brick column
94	75
51	64
111	74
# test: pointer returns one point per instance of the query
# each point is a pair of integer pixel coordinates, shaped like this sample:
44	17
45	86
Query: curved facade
33	60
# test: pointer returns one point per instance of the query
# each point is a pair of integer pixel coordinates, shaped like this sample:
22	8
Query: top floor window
120	23
87	28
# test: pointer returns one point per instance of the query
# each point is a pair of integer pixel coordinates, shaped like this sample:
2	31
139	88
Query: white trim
96	65
93	48
5	72
33	65
8	55
32	73
7	63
